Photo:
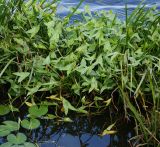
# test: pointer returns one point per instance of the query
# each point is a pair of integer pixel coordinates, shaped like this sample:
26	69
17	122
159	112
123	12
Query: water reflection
83	132
96	5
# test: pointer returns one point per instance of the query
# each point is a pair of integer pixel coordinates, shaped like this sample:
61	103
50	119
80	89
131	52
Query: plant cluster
87	64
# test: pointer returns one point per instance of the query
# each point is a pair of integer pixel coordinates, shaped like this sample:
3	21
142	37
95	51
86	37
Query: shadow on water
82	132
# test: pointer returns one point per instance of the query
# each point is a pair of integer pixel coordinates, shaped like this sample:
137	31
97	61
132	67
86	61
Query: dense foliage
92	63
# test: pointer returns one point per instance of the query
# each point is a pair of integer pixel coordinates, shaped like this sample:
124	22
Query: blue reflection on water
82	133
97	5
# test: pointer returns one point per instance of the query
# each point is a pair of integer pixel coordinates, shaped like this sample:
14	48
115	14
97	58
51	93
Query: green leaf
97	98
30	124
7	144
13	109
107	46
8	127
23	48
34	89
20	138
108	84
76	87
67	106
11	125
28	144
99	60
87	10
38	111
67	119
108	101
6	66
50	26
47	61
4	110
54	33
33	31
94	85
19	41
50	116
4	131
108	130
21	75
82	49
81	110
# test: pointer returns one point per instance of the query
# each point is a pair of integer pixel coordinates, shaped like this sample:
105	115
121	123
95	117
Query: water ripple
97	5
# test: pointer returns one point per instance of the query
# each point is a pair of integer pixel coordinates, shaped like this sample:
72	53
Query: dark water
82	132
96	5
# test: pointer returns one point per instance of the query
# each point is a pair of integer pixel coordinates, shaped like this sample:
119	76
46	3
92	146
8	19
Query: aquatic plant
85	67
19	141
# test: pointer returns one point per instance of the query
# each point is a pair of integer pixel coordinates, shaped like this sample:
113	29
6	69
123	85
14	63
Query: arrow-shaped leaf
21	75
67	106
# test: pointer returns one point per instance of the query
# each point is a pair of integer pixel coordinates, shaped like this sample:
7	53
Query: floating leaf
28	144
17	141
20	138
30	124
7	144
38	111
4	131
4	110
8	127
11	125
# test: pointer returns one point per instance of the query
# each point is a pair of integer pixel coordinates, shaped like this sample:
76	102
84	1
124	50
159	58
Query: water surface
96	5
82	132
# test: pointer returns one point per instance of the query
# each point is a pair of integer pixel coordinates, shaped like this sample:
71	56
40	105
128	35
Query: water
82	132
117	6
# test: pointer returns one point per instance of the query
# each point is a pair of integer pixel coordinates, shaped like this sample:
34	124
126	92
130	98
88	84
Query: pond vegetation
97	65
